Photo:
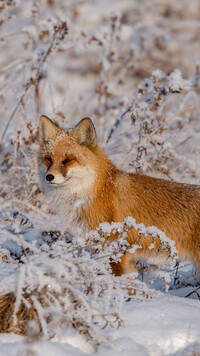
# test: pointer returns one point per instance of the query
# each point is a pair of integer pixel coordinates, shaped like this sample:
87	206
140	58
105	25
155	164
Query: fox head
71	159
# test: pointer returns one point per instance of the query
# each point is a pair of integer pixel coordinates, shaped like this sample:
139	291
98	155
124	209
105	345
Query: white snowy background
134	68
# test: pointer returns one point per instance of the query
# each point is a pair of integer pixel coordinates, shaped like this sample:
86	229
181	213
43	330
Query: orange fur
173	207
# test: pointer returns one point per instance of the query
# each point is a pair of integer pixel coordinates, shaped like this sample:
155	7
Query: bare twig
117	122
155	131
194	291
60	30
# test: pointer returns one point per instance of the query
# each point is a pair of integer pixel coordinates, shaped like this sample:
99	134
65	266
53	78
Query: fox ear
47	128
85	133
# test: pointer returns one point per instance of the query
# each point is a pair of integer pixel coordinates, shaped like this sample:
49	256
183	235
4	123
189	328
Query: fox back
85	188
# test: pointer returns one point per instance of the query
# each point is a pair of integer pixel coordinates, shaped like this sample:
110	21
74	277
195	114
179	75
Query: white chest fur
67	199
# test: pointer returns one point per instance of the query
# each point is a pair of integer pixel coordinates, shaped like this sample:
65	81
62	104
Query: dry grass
97	68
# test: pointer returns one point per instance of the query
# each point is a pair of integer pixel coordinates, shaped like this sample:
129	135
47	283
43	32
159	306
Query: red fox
74	167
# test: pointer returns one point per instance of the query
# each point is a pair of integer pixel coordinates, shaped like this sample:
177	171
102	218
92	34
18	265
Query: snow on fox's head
67	158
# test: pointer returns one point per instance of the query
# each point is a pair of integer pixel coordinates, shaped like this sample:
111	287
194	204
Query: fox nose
49	177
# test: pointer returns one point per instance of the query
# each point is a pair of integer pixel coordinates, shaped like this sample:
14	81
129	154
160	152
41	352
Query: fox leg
130	262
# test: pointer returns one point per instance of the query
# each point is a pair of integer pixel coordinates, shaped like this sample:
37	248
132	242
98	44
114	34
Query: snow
133	67
158	327
176	81
152	328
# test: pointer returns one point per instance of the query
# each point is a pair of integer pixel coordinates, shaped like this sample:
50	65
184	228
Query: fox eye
67	160
49	159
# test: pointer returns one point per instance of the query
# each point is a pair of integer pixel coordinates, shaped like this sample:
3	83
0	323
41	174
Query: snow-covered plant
117	66
65	284
59	285
115	248
148	113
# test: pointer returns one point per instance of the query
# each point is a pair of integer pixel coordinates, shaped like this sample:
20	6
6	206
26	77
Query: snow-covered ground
133	67
161	326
